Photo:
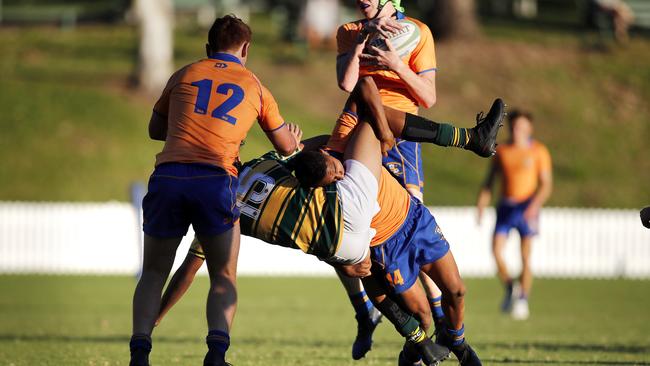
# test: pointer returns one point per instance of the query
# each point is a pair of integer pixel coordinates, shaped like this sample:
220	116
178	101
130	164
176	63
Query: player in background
524	165
203	115
404	84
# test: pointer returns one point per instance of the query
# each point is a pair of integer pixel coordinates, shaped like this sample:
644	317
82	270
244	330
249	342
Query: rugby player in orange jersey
405	82
203	115
525	166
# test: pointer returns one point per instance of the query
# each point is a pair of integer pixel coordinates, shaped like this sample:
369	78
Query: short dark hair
518	113
227	33
310	167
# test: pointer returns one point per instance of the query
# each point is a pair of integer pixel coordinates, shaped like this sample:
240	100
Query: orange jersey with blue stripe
393	199
210	106
392	89
521	168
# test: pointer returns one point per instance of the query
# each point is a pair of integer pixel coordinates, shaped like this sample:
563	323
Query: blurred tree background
74	127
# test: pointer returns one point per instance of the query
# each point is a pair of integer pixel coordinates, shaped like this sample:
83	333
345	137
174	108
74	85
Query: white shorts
358	198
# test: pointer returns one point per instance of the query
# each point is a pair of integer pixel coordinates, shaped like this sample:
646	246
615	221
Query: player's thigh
444	272
221	251
499	242
526	248
159	253
363	147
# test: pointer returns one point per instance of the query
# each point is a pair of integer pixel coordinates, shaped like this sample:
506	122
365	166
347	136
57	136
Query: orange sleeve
345	40
269	118
423	58
543	159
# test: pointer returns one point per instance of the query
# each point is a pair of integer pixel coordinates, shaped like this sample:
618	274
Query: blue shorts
418	242
511	215
404	162
181	194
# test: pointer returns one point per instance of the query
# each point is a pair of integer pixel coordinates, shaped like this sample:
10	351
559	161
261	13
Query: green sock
420	129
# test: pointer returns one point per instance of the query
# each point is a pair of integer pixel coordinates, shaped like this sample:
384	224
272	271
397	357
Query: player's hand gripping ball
403	40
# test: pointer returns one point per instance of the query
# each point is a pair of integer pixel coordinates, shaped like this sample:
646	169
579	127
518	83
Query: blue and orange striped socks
436	309
457	336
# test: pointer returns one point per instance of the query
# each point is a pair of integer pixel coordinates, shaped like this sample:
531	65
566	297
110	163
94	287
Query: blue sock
436	308
140	341
361	304
218	341
457	336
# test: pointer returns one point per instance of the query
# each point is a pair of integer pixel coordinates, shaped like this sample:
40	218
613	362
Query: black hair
310	167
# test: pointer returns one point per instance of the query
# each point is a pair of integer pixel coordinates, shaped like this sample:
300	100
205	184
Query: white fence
104	238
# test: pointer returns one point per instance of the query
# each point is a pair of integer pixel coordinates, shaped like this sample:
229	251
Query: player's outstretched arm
179	284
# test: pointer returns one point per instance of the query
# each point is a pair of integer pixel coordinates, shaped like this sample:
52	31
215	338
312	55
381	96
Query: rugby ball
404	41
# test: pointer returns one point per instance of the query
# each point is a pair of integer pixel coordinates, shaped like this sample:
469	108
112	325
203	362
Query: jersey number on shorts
395	279
221	112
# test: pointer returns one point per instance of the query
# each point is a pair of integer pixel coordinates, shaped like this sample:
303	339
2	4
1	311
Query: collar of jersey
225	57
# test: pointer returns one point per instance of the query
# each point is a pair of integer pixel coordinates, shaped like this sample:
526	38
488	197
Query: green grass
73	129
51	320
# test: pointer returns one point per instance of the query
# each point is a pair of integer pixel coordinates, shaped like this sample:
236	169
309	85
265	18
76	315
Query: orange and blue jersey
210	106
521	168
393	91
404	161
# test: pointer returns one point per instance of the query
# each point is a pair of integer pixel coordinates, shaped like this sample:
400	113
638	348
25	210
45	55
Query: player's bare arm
158	126
283	140
541	196
422	87
485	194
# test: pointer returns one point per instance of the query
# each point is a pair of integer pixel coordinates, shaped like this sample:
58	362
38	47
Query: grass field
72	129
50	320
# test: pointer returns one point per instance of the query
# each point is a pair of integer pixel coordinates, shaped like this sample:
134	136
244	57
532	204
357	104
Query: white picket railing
104	238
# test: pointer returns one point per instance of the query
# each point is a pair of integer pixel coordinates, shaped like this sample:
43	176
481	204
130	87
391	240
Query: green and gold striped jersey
275	208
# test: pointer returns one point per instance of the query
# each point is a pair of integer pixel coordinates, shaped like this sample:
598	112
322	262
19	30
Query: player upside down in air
271	191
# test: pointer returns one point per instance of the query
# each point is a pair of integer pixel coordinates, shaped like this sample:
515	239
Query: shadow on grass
89	338
576	347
